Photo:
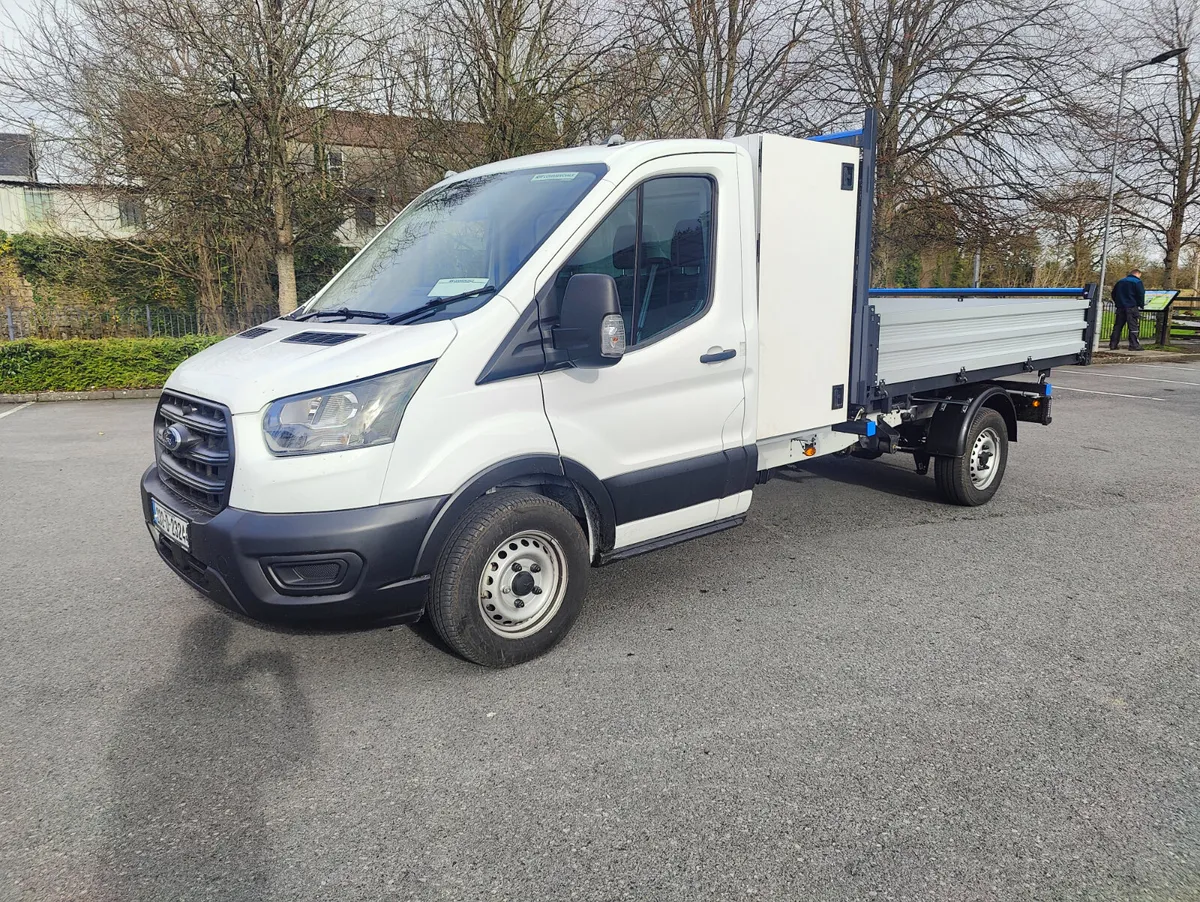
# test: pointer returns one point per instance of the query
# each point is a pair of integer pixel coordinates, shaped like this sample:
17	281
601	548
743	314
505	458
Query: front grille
200	469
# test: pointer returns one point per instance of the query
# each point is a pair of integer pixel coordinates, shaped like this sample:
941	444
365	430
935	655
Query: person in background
1129	297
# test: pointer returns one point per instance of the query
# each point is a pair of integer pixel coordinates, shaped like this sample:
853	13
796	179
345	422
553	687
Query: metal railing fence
1147	325
140	321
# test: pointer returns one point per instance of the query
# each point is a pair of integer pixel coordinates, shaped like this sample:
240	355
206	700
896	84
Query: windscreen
470	235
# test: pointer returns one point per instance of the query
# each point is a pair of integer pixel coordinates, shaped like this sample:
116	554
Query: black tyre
973	479
511	579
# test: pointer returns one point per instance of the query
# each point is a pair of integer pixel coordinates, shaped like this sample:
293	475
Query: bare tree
1071	216
1159	138
119	109
730	66
491	79
206	108
285	64
217	112
969	92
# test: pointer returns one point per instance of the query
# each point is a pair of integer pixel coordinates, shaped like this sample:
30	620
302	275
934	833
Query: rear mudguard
947	436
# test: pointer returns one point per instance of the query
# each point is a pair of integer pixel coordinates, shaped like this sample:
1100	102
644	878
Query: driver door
662	428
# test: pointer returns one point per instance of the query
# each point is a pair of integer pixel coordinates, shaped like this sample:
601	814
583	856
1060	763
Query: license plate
170	524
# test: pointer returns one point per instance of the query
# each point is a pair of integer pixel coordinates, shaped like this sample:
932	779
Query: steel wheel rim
523	584
985	458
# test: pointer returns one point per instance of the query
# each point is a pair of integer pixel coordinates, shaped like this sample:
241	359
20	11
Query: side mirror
590	328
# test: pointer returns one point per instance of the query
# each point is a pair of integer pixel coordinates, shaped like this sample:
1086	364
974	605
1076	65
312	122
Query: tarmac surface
862	693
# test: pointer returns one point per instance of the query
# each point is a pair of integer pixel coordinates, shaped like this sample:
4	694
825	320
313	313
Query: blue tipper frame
866	391
864	323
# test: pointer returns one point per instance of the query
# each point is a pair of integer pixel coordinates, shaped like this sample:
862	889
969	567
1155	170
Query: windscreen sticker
446	287
554	177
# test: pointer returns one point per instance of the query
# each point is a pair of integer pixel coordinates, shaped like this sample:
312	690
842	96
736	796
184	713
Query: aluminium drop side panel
927	336
805	280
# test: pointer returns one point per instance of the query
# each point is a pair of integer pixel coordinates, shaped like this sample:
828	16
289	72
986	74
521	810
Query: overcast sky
13	18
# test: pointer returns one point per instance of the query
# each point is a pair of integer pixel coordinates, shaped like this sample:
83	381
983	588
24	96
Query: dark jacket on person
1129	292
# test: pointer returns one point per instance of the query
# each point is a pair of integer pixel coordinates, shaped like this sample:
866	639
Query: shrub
33	365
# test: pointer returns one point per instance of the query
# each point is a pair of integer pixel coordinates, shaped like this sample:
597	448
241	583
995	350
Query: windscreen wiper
433	304
343	312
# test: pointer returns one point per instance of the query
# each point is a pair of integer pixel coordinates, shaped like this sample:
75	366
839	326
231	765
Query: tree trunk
1174	241
285	266
883	249
210	299
1184	193
929	266
1082	264
285	249
252	277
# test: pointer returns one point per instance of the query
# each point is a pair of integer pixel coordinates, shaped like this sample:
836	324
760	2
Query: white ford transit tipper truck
563	360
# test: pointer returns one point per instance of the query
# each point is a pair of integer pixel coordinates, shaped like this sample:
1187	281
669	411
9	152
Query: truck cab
540	366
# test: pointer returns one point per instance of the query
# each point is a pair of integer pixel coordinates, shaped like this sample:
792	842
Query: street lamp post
1112	170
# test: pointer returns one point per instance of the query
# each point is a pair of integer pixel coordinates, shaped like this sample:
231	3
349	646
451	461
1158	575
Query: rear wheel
973	478
511	579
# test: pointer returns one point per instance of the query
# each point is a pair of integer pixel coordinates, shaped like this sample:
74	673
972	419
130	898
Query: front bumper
249	562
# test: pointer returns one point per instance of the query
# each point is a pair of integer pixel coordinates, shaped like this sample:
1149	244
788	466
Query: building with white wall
28	204
368	156
76	210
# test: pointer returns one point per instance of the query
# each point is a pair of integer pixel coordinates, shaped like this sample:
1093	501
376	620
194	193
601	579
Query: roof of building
16	156
359	129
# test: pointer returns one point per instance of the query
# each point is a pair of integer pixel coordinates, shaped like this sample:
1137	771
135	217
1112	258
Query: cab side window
657	246
609	250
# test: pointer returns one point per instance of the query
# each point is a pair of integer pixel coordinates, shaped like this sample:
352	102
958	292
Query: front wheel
511	579
973	478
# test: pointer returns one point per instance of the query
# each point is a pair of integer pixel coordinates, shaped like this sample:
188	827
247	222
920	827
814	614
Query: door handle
718	356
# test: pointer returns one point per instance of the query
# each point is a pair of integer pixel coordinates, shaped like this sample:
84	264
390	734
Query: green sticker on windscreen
554	177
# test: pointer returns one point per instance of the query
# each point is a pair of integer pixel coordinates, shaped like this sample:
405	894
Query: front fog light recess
355	415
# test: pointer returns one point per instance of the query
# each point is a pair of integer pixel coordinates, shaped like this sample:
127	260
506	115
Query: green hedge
33	364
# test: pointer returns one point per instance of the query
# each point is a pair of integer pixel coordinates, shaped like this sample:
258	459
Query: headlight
355	415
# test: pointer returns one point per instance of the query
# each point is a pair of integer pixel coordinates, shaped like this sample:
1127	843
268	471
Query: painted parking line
1058	386
19	407
1160	365
1187	368
1138	378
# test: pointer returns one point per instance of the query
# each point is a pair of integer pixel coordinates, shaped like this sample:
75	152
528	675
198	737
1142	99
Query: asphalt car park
862	693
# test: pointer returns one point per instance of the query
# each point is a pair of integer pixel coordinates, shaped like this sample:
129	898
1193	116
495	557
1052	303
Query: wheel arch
1000	402
565	481
948	430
